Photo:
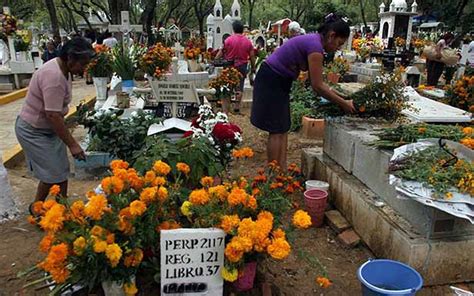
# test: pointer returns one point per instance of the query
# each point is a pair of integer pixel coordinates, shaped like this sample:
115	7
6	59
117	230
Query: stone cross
125	28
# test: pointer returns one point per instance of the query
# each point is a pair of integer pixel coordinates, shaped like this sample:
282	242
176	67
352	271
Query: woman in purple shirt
271	93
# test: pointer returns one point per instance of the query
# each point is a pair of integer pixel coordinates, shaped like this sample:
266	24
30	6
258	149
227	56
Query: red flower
188	134
235	128
194	123
225	132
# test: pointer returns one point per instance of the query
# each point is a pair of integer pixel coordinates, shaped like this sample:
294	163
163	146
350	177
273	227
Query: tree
147	17
251	5
52	15
115	7
201	9
362	13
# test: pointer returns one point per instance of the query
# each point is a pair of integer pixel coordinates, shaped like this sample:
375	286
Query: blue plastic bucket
127	86
387	277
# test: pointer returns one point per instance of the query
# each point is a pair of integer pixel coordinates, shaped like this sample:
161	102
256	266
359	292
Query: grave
397	21
393	228
366	71
125	27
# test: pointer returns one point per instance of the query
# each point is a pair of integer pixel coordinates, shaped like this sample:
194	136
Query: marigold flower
421	130
161	168
121	174
246	227
46	243
77	210
37	208
162	193
207	181
279	233
53	219
47	205
137	208
54	190
279	248
246	243
449	195
185	208
159	181
96	207
110	238
97	231
245	152
234	252
237	196
229	222
113	252
79	245
112	185
323	282
468	142
219	191
150	177
301	219
183	168
55	263
148	195
31	220
251	203
134	180
468	130
130	289
229	275
118	164
134	258
167	225
199	197
99	246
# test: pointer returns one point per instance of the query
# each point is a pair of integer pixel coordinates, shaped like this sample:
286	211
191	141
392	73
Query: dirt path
294	276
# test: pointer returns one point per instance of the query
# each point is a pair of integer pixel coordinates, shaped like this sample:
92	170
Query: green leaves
124	63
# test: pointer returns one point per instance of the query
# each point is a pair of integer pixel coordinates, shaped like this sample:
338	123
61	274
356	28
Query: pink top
238	48
49	90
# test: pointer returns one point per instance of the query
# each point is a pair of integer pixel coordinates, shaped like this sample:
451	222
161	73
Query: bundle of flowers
461	94
156	61
216	128
439	169
390	138
101	64
365	46
22	40
8	25
226	83
339	66
194	47
105	238
400	42
251	213
418	43
210	55
192	53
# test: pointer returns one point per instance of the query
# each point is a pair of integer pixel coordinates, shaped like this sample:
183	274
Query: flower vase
246	278
193	66
22	56
100	84
333	77
113	288
127	86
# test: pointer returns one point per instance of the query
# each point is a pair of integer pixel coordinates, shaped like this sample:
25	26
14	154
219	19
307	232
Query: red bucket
246	278
315	201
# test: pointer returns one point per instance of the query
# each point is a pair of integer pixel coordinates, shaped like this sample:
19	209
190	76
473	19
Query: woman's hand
348	106
77	152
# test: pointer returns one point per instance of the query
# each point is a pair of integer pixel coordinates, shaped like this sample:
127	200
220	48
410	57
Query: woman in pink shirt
40	127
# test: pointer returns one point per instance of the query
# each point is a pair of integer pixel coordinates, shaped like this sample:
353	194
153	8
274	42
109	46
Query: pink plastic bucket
246	279
315	201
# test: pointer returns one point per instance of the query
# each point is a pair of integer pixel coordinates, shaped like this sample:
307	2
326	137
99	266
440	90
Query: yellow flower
97	231
185	208
133	258
112	185
79	245
449	195
53	219
162	193
148	195
54	190
113	253
279	248
161	168
183	168
207	181
323	282
229	275
96	207
199	197
99	246
229	222
301	219
137	208
130	289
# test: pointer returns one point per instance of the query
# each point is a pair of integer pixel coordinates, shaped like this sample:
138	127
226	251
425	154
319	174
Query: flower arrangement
400	42
156	61
216	128
365	46
8	25
101	64
439	169
22	40
338	66
461	94
390	138
226	82
192	53
194	47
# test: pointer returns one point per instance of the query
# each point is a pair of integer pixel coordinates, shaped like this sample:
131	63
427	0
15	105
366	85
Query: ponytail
336	24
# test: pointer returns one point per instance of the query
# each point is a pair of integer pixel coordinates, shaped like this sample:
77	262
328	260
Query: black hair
78	48
336	24
238	27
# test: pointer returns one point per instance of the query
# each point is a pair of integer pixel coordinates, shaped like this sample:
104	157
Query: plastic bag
448	56
8	209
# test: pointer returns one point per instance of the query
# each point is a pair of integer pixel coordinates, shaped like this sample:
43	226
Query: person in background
294	29
109	40
64	39
435	67
57	41
271	93
50	52
40	127
239	49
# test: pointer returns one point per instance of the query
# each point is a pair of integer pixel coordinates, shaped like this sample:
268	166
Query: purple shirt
292	56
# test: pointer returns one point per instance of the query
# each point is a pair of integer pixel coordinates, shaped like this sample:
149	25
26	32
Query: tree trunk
362	12
147	18
251	6
115	7
52	15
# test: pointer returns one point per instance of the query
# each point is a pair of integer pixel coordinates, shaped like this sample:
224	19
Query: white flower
134	114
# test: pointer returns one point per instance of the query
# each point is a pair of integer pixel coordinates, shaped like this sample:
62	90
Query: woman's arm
315	62
57	121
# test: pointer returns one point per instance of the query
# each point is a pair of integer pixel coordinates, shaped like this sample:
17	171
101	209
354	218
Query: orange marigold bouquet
226	83
101	64
192	53
156	61
461	94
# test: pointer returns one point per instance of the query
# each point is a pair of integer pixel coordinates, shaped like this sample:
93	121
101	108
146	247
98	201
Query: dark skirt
271	101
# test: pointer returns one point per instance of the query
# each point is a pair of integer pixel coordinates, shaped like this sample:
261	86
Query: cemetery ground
313	250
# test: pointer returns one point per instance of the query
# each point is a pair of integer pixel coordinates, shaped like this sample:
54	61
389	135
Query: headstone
412	76
125	27
191	261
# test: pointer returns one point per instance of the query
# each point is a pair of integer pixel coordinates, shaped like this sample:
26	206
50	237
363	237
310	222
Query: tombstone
397	21
172	34
412	76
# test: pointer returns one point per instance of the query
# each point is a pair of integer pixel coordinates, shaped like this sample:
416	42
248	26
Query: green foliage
303	102
124	64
